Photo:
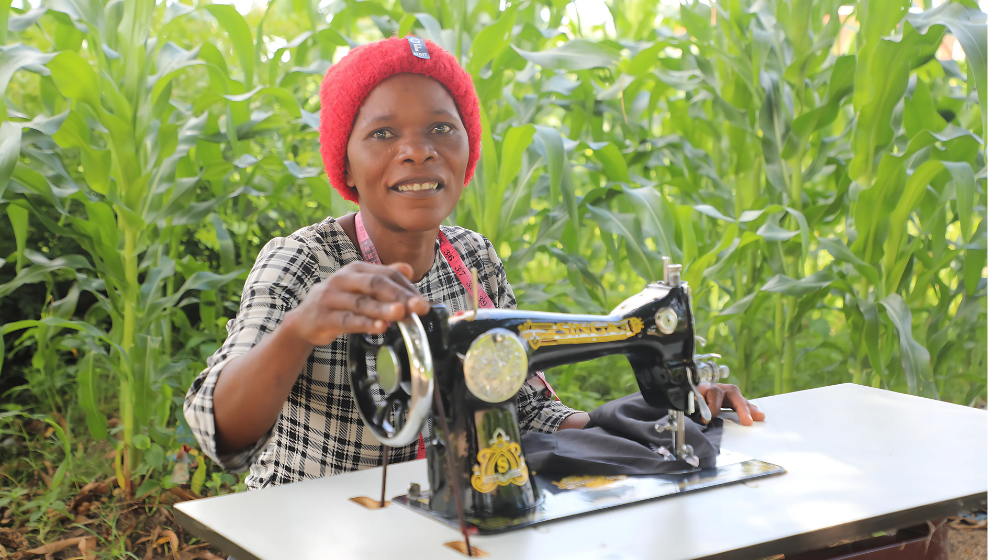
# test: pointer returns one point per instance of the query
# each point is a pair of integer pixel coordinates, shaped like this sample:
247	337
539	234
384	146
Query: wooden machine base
459	546
369	503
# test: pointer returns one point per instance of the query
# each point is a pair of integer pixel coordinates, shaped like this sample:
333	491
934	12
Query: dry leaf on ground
152	543
88	492
199	555
171	537
968	520
184	494
164	513
88	546
12	540
56	546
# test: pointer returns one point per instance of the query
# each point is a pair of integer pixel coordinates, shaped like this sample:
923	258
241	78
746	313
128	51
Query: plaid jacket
319	432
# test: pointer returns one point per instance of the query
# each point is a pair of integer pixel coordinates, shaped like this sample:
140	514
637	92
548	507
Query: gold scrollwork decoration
571	482
500	464
549	334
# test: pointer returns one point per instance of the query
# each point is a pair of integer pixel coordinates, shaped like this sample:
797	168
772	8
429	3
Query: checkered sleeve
538	413
536	410
283	272
498	279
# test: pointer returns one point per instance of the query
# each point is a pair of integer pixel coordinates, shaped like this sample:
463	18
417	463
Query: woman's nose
415	148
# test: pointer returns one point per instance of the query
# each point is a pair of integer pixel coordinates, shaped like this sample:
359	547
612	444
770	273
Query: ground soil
964	542
967	544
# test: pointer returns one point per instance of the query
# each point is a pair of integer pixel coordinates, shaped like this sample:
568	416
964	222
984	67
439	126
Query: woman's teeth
417	187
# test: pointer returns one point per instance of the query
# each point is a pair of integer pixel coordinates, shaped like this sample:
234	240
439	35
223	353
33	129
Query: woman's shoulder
467	241
325	233
325	242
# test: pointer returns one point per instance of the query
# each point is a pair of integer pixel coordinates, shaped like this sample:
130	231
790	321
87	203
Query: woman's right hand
359	298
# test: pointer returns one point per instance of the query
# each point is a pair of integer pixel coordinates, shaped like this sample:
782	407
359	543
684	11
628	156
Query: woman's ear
348	177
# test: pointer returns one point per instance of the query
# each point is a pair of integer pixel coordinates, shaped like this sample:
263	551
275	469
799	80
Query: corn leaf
916	359
239	36
799	287
97	423
969	27
575	54
10	147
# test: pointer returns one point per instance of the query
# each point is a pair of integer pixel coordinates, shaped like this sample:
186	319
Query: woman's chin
422	219
419	217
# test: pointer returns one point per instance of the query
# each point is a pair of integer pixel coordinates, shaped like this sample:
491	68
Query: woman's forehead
407	94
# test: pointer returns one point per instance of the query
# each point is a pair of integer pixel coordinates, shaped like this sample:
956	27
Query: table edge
821	538
206	534
794	544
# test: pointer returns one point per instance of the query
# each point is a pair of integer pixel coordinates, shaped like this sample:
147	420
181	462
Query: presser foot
682	451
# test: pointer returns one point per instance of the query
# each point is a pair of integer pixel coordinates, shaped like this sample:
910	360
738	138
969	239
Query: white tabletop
858	459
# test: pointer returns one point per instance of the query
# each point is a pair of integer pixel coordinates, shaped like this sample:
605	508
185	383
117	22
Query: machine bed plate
569	496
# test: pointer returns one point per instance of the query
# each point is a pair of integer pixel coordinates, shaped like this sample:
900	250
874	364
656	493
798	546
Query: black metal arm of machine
481	358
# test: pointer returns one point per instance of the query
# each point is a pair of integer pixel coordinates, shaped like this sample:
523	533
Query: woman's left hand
722	395
575	421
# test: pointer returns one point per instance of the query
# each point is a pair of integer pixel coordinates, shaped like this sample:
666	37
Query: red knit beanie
348	83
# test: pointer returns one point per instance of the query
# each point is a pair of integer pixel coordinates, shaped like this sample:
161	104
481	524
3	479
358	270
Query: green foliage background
818	166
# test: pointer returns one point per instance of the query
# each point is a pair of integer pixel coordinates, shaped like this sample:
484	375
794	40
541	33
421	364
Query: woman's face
407	153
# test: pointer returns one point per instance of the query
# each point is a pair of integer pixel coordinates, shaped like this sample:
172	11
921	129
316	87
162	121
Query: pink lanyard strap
451	255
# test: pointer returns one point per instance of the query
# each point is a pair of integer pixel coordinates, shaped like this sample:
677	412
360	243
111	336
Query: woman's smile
419	187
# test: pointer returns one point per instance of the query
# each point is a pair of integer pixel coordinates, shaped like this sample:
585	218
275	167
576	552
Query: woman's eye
443	128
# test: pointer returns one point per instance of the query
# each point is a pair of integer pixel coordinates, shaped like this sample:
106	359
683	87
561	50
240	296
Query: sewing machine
473	364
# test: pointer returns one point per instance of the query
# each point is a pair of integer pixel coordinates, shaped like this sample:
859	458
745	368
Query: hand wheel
404	370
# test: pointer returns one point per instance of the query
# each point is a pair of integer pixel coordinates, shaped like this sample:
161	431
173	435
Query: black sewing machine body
489	352
660	361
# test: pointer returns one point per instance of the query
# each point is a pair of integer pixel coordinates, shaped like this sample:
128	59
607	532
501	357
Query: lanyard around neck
451	255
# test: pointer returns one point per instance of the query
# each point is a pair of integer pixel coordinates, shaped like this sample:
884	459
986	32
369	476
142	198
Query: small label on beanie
417	47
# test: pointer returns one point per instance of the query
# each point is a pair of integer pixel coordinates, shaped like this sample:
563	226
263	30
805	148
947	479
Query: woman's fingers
386	284
405	269
365	297
743	411
358	298
417	303
713	395
349	322
366	306
738	403
724	395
